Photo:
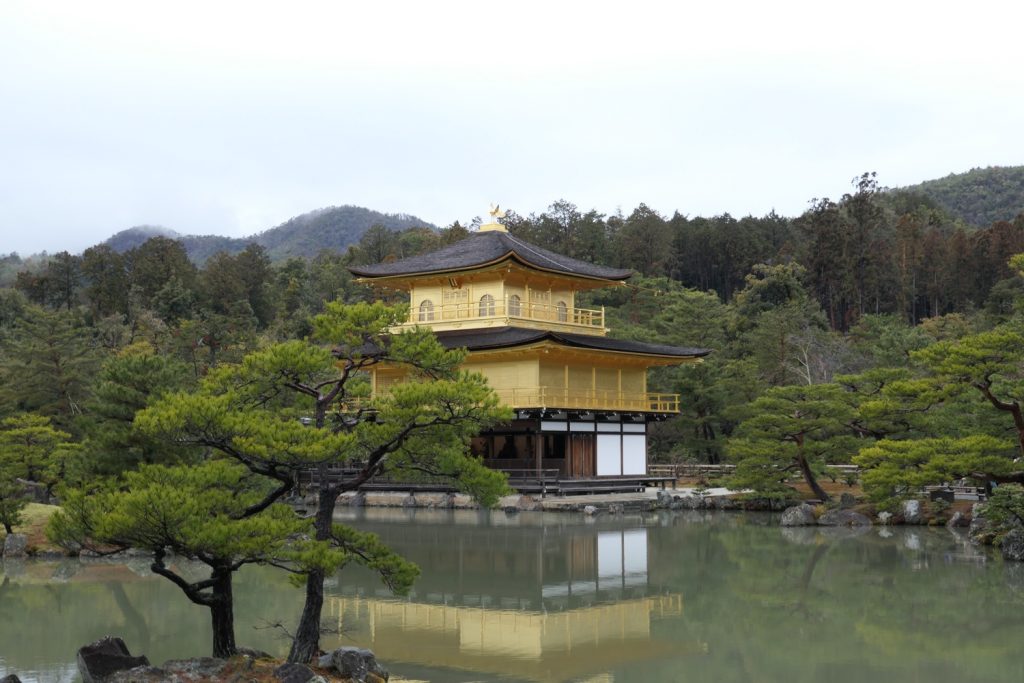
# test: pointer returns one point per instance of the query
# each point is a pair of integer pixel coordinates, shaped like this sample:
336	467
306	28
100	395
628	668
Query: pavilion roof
507	337
486	248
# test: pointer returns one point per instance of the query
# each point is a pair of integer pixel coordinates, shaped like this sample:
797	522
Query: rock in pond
798	515
1013	545
843	518
107	655
355	663
912	512
885	518
15	545
590	510
10	678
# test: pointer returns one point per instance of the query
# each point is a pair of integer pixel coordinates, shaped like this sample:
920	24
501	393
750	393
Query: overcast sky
230	118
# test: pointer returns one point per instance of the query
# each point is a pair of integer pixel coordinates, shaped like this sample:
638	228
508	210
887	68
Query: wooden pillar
619	401
538	453
538	449
565	383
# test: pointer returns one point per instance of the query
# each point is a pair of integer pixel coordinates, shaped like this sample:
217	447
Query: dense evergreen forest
875	328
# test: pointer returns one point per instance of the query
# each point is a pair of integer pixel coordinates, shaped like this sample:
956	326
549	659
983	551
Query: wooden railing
502	308
567	399
548	481
588	399
690	469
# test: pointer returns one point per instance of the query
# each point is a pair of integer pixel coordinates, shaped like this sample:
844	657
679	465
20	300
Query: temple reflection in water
569	602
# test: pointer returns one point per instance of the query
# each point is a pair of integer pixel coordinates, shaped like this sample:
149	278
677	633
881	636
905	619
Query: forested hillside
874	328
980	196
335	227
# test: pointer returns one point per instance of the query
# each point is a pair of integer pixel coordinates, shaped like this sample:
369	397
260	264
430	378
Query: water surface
558	597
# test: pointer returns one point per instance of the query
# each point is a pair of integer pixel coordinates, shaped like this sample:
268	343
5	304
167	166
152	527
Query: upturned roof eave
652	358
508	256
597	345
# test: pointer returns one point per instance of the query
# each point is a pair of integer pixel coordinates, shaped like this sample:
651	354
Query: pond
696	596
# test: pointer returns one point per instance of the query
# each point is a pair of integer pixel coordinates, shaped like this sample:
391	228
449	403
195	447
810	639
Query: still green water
559	597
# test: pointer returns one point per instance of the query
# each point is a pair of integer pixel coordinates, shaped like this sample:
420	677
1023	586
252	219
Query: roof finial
497	213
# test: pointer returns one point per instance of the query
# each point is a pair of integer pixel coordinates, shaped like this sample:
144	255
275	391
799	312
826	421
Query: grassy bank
34	519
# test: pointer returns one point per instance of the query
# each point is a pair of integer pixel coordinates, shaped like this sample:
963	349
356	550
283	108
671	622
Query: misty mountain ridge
979	197
335	227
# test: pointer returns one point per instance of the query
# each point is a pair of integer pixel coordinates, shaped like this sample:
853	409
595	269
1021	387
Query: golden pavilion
581	402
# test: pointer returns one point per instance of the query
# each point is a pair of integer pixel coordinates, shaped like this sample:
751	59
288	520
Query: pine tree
217	513
792	429
299	406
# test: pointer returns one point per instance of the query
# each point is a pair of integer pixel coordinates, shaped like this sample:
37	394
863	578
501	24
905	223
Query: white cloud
232	117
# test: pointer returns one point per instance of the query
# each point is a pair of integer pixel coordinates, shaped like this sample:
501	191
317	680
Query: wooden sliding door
582	455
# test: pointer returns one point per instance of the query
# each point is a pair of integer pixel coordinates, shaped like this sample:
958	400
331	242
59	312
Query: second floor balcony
572	399
588	399
491	312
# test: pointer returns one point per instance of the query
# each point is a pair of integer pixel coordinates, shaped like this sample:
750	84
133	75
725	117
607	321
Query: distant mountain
335	227
980	196
133	237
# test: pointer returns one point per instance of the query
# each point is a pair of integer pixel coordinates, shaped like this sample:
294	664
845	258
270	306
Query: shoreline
846	512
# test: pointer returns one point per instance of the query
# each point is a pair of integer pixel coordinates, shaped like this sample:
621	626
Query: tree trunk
8	528
306	644
222	613
1012	407
812	482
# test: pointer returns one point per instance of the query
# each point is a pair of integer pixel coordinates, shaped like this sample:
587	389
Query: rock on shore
1013	545
98	661
109	661
798	515
15	546
843	518
357	664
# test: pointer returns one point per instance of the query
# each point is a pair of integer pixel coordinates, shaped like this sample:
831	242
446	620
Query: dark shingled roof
488	247
505	337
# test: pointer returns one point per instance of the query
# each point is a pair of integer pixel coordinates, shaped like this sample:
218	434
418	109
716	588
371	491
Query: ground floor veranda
558	451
